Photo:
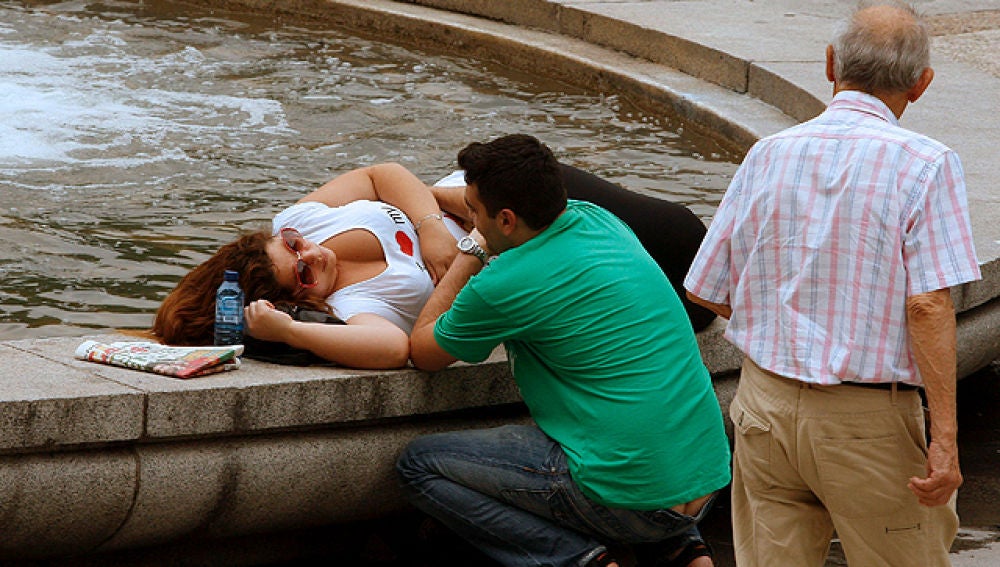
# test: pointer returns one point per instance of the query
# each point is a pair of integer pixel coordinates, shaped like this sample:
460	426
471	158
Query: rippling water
137	137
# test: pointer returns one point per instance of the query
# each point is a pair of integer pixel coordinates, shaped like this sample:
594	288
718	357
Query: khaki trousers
813	459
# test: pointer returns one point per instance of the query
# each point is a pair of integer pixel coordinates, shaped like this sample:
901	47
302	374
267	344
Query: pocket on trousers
753	445
537	501
867	477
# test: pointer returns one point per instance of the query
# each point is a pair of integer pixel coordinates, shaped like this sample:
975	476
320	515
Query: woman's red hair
187	315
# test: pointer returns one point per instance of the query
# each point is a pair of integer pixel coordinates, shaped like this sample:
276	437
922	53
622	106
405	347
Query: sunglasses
295	242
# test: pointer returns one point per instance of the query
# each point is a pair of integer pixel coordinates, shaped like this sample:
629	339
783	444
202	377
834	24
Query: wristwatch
468	245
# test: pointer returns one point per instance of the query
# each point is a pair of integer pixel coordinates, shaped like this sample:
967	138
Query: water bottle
229	310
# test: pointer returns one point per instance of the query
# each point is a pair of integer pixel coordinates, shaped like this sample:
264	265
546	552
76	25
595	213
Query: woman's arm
452	200
366	341
394	184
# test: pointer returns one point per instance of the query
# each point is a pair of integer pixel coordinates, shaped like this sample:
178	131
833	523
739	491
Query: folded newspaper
182	362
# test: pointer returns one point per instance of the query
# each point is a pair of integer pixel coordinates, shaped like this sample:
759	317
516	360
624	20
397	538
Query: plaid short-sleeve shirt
825	231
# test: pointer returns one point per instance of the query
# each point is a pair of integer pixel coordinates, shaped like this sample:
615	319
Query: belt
900	386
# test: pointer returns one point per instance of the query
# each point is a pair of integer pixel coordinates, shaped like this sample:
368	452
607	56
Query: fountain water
137	137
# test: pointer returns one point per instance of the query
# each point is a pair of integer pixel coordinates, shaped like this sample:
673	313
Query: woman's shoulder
305	214
289	215
453	179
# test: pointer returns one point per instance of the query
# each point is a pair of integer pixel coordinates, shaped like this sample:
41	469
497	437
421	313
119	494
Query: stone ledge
51	401
111	458
94	500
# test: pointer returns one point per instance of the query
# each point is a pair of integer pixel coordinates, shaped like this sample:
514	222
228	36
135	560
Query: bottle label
230	311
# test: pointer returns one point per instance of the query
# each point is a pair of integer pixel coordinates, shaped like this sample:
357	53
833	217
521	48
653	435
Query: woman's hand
437	246
262	321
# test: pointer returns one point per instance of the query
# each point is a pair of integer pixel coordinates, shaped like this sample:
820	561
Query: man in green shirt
628	445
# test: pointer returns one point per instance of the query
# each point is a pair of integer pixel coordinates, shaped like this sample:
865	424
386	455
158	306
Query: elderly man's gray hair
881	53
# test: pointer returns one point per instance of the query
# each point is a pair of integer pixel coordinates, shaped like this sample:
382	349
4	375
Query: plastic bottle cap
231	276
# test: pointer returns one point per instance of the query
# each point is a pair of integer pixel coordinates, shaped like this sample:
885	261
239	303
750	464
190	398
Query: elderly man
832	254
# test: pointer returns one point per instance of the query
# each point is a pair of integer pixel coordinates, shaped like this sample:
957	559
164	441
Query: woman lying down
367	248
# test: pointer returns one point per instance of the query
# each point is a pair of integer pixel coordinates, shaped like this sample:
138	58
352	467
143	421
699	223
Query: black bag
281	353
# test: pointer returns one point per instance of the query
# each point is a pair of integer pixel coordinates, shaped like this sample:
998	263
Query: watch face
468	245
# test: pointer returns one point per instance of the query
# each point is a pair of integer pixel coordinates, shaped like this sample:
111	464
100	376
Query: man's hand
943	476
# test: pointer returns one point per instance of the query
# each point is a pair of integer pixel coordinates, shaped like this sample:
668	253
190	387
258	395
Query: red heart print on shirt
405	244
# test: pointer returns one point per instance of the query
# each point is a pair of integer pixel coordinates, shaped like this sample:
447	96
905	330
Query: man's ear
829	64
923	82
507	221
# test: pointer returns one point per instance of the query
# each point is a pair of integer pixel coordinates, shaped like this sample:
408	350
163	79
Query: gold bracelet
419	223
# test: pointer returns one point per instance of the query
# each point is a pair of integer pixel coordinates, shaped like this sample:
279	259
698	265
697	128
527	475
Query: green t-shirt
604	356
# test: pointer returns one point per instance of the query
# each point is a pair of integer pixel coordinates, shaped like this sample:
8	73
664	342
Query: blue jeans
508	492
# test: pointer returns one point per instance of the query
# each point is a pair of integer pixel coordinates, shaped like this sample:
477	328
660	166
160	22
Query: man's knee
411	465
432	454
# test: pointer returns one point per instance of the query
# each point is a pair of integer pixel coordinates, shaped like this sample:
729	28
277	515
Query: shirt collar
857	101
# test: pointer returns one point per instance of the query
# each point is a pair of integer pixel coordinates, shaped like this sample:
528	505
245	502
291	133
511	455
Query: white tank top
398	293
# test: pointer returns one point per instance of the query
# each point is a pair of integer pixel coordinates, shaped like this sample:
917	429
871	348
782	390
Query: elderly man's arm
720	309
931	324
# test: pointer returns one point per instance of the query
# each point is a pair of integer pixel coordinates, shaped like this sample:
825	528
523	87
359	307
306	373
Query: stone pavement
773	51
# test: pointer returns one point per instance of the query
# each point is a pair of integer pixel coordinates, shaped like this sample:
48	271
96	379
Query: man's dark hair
519	173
